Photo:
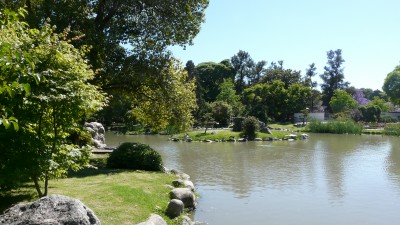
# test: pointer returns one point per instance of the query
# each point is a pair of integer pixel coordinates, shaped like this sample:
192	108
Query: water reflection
328	179
393	162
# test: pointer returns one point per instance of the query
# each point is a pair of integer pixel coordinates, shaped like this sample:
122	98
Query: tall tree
228	94
392	85
333	77
258	72
243	65
210	76
48	111
127	39
277	72
310	73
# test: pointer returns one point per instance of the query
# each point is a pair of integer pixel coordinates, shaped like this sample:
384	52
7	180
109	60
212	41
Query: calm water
328	179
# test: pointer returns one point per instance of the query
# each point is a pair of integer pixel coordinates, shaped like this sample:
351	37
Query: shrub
250	126
135	156
335	127
392	129
237	124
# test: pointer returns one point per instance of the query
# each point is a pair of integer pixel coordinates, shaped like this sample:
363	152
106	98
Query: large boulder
50	210
97	131
187	221
185	195
154	219
175	208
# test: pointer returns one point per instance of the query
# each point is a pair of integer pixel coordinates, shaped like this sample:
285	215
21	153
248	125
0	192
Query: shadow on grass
24	193
93	172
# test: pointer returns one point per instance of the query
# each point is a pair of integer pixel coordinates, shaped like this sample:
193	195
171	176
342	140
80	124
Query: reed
335	127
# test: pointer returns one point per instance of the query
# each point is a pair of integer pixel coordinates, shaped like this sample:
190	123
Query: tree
228	94
258	72
210	76
176	100
342	102
277	72
127	39
370	113
333	77
392	85
243	65
221	112
381	103
250	126
310	73
52	106
359	97
273	101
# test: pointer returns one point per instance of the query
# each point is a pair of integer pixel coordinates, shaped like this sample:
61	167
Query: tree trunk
37	186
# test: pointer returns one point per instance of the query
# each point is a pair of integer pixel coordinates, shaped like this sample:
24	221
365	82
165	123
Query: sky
300	32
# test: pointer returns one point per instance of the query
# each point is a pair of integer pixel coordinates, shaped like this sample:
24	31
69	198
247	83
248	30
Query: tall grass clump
335	127
392	129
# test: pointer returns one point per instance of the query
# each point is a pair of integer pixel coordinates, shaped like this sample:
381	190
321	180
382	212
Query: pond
327	179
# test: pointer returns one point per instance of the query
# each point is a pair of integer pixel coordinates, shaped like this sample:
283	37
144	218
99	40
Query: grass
116	196
217	134
392	129
335	127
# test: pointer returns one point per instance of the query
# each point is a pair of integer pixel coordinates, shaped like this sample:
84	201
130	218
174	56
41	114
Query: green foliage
211	76
222	113
243	66
135	156
333	76
274	101
392	85
370	113
379	102
170	104
336	127
228	94
277	72
392	129
127	43
59	97
250	126
342	102
237	124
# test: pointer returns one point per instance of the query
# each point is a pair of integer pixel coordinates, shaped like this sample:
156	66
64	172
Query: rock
169	186
50	210
187	221
175	208
189	184
154	219
183	183
180	174
185	195
178	183
257	139
97	131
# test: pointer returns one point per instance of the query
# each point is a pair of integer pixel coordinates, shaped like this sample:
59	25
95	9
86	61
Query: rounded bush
250	126
136	156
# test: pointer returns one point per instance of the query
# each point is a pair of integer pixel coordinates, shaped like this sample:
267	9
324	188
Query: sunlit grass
116	197
225	134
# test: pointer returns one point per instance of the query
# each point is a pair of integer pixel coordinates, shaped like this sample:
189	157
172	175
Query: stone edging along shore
182	199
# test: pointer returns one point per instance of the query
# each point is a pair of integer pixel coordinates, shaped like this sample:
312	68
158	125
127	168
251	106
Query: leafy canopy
50	96
392	85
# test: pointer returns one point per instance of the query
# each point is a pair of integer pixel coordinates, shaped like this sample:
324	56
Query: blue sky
301	32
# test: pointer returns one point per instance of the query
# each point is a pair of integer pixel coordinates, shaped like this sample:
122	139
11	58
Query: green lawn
220	134
116	196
